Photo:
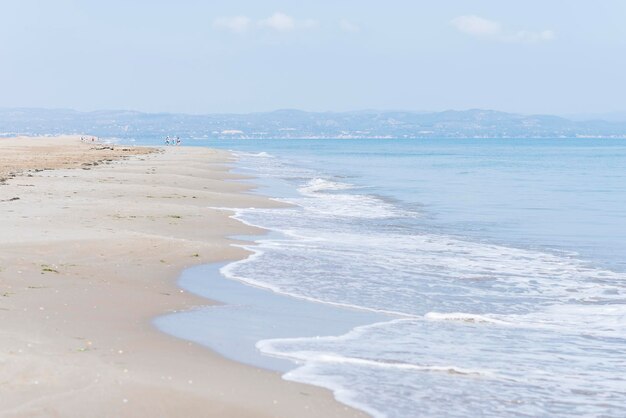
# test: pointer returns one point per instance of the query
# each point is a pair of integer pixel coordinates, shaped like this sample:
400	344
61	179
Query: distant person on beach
167	140
177	141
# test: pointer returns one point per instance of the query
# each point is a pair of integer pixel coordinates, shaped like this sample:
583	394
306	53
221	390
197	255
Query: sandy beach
92	240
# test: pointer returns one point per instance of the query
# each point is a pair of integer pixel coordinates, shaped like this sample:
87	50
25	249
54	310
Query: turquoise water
565	194
501	262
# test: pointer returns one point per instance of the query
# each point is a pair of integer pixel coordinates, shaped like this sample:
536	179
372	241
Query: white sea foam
321	198
415	265
428	358
332	358
319	184
231	271
463	317
602	320
261	154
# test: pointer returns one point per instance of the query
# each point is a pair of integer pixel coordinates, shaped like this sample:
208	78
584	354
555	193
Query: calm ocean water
502	263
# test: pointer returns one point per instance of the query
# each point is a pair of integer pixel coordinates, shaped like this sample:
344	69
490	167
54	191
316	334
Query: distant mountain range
279	124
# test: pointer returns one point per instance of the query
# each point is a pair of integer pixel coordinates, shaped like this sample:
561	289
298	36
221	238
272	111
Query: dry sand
89	254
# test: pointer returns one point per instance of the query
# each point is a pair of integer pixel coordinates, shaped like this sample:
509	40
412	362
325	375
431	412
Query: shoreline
291	317
90	257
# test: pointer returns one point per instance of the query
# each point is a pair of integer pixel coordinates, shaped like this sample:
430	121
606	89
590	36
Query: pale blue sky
530	56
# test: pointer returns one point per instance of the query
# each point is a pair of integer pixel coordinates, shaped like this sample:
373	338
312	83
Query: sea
495	268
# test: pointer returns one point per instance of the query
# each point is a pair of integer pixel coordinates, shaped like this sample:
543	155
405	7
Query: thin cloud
476	25
279	22
235	24
480	27
347	26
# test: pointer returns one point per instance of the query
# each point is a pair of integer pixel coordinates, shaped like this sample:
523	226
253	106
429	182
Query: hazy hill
299	124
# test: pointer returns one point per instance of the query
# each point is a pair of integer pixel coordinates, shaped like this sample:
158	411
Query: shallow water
501	262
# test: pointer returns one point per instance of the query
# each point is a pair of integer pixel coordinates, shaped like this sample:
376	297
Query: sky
202	56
